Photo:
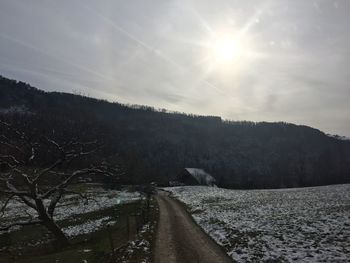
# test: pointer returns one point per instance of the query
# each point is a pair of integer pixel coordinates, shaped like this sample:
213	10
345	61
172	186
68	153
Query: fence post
137	224
128	226
143	216
110	237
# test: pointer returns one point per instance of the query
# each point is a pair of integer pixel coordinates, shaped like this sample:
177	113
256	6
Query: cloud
158	53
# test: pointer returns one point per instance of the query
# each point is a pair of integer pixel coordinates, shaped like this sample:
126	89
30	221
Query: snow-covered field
72	206
285	225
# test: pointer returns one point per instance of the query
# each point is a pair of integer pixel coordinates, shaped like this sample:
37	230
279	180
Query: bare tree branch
48	169
10	145
21	163
8	164
23	175
66	156
23	195
23	137
70	178
29	215
2	210
56	198
55	144
32	156
15	169
11	157
28	202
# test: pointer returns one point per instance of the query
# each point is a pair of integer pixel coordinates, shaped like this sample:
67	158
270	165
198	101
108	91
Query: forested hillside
154	145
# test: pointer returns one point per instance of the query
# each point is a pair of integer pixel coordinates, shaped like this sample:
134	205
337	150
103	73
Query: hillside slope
154	145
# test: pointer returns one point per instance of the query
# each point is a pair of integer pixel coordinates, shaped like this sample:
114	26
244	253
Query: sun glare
228	52
226	49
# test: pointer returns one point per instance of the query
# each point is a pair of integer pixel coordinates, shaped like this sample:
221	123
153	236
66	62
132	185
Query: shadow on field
34	244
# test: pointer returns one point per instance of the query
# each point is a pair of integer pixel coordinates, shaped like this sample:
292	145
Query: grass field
87	224
285	225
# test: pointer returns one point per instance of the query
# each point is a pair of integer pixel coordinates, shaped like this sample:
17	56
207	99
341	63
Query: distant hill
155	145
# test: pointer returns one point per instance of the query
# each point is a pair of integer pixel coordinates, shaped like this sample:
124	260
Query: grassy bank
90	230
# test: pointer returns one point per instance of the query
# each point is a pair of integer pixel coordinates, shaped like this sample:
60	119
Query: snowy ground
288	225
71	207
140	248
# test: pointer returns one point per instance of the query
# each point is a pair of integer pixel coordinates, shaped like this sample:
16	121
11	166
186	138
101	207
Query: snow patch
87	227
70	206
288	225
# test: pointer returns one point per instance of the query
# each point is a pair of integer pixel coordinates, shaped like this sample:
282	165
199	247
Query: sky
256	60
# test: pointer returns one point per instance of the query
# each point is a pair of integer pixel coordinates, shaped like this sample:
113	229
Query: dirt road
180	240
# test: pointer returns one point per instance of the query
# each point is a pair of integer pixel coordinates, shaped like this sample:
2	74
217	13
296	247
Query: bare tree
39	186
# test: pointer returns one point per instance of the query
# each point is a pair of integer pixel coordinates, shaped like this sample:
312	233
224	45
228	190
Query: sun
228	52
226	49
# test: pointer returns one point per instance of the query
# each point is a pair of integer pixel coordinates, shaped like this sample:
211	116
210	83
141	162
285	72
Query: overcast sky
291	61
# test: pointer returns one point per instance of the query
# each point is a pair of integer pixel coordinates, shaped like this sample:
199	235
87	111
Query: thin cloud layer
292	64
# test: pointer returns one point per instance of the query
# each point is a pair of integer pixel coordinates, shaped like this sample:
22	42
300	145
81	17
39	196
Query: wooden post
128	226
137	224
148	201
111	240
143	217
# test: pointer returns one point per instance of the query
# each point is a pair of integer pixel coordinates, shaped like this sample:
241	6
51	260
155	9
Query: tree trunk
49	223
61	238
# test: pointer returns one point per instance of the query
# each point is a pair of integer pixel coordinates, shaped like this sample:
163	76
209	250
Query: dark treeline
154	145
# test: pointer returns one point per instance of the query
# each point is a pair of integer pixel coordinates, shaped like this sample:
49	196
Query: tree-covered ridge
154	145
